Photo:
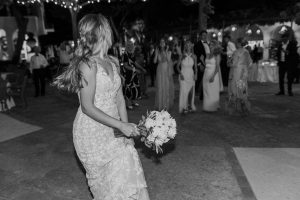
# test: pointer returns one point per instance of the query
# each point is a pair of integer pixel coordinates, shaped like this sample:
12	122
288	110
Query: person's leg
198	82
290	76
42	78
201	86
36	82
281	79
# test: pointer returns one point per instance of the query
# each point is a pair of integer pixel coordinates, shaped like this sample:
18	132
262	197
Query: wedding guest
187	78
287	62
112	165
151	65
211	78
164	95
64	56
201	49
37	67
238	87
131	85
140	66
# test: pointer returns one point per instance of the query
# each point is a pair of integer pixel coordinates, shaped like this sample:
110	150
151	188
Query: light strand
76	5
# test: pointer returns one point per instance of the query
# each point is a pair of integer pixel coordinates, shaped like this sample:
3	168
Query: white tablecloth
4	75
263	73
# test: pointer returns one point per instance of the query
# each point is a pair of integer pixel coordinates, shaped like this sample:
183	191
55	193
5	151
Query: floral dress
131	85
113	168
237	85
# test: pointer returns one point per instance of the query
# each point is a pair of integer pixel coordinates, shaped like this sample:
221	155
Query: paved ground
200	164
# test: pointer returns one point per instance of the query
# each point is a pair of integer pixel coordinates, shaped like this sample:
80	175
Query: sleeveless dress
211	91
164	82
187	85
113	168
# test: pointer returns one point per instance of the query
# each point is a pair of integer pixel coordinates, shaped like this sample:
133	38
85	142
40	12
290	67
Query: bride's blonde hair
94	31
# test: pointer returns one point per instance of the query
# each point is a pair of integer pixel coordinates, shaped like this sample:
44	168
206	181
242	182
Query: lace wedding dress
112	165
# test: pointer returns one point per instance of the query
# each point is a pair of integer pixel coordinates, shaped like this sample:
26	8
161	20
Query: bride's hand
129	129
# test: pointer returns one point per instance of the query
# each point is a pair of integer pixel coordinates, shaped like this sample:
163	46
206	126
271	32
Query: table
264	71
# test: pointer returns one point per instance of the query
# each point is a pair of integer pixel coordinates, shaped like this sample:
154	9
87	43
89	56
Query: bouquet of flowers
156	129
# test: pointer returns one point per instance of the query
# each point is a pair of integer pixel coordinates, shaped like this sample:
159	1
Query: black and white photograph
149	100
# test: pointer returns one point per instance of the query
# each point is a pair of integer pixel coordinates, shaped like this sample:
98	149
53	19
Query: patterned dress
112	165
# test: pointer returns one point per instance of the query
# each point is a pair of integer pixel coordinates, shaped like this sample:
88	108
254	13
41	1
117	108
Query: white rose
155	131
149	123
159	142
172	133
151	138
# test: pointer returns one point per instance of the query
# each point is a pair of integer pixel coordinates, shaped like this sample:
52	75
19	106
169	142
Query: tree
74	6
205	9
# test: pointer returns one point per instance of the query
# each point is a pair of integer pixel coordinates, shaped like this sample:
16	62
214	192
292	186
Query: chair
18	82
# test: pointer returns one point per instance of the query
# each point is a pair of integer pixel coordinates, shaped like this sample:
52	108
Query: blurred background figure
131	85
64	55
164	95
38	63
238	76
288	60
201	49
187	78
211	78
151	65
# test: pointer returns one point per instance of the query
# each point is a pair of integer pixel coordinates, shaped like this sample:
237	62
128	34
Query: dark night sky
166	14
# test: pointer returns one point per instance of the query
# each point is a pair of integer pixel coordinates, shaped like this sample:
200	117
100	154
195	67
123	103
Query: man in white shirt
38	64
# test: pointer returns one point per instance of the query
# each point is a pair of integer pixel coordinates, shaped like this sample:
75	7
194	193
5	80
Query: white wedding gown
211	91
113	168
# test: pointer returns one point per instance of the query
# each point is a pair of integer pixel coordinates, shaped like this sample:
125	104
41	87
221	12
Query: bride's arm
87	95
121	105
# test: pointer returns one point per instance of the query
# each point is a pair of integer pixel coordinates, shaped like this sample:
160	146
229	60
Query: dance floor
273	173
11	128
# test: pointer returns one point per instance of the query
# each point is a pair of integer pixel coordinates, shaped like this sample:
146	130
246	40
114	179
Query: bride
112	165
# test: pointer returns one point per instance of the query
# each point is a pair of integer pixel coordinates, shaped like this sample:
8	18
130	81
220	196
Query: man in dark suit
201	48
287	61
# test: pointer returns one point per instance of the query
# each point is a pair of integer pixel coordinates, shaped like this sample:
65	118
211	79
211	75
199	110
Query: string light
76	5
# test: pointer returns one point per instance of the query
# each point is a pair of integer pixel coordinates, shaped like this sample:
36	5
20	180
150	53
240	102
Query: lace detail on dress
113	168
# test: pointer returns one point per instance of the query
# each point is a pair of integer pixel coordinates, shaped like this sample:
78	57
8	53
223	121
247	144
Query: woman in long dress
187	78
211	79
164	81
112	165
237	84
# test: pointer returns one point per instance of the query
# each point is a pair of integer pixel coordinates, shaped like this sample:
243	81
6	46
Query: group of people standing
204	70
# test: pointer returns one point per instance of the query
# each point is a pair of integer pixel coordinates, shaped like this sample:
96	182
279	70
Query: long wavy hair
95	34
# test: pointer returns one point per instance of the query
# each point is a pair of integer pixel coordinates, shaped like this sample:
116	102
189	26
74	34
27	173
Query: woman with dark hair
112	165
211	78
164	80
237	84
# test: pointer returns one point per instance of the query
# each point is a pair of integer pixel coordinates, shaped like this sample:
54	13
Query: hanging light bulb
233	29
